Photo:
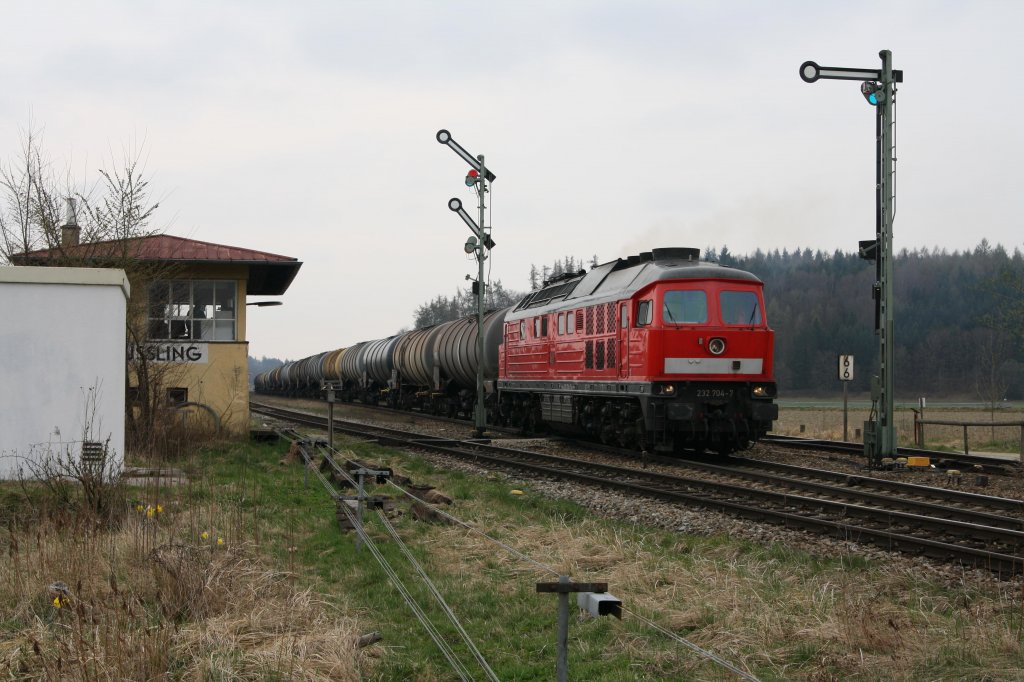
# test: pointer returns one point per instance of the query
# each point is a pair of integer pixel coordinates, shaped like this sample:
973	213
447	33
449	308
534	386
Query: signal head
443	136
872	92
455	204
472	177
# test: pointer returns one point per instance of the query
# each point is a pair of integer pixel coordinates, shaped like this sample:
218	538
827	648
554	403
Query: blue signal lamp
872	92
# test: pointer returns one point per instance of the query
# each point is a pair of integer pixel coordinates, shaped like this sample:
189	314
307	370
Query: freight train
659	351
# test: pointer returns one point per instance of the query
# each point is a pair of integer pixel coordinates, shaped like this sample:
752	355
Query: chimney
70	231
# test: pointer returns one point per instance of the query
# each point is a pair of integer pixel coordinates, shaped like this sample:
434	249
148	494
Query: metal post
846	430
887	425
307	459
359	510
481	414
330	420
562	652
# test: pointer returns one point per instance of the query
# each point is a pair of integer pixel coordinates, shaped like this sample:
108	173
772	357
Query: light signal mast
878	86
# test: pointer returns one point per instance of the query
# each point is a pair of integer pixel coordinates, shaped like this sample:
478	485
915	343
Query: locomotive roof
624	276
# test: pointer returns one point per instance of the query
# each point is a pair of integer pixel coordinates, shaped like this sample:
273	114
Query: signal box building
194	314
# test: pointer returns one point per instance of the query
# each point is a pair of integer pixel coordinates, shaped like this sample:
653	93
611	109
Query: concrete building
62	359
191	303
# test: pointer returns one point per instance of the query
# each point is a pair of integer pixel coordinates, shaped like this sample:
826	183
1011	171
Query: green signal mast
878	86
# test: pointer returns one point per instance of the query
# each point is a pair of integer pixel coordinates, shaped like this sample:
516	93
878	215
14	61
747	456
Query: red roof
269	273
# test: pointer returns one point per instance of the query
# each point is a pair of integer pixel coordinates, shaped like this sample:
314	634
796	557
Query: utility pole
480	244
879	89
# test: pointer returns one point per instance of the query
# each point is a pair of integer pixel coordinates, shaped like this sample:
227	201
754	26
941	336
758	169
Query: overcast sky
307	129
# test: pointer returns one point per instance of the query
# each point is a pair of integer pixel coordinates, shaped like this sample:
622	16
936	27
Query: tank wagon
659	351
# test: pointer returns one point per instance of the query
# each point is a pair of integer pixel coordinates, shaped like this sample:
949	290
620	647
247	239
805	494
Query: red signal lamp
472	177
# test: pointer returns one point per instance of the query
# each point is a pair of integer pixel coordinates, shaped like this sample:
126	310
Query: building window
194	310
177	396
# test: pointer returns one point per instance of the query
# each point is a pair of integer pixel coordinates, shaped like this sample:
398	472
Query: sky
307	129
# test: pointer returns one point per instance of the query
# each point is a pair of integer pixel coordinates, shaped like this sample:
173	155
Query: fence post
965	439
562	588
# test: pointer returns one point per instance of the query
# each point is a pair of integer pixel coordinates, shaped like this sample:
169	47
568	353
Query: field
242	574
820	419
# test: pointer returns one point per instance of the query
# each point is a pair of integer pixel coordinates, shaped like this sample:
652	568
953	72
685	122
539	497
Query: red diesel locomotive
658	351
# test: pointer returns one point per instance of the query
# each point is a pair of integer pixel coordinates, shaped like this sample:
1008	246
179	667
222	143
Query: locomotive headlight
763	390
716	346
669	389
759	392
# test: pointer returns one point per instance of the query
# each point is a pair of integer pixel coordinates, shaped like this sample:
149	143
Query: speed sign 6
846	368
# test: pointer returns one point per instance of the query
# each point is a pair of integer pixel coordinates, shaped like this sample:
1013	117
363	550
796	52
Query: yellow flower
56	602
159	509
204	535
149	512
138	507
220	541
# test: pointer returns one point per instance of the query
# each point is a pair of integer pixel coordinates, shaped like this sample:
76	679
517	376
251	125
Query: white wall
62	363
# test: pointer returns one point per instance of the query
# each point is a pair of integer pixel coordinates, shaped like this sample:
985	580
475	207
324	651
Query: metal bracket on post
589	593
361	497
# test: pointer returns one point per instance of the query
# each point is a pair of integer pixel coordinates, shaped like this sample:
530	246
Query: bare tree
114	220
29	215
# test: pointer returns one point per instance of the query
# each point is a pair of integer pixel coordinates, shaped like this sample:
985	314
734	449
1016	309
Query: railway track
942	524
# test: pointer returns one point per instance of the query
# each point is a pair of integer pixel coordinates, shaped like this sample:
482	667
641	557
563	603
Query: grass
286	594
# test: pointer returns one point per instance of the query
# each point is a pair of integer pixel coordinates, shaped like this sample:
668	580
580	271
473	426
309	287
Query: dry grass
798	619
152	599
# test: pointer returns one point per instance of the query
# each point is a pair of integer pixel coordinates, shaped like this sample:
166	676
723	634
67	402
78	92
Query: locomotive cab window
570	324
644	313
685	307
740	307
561	324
